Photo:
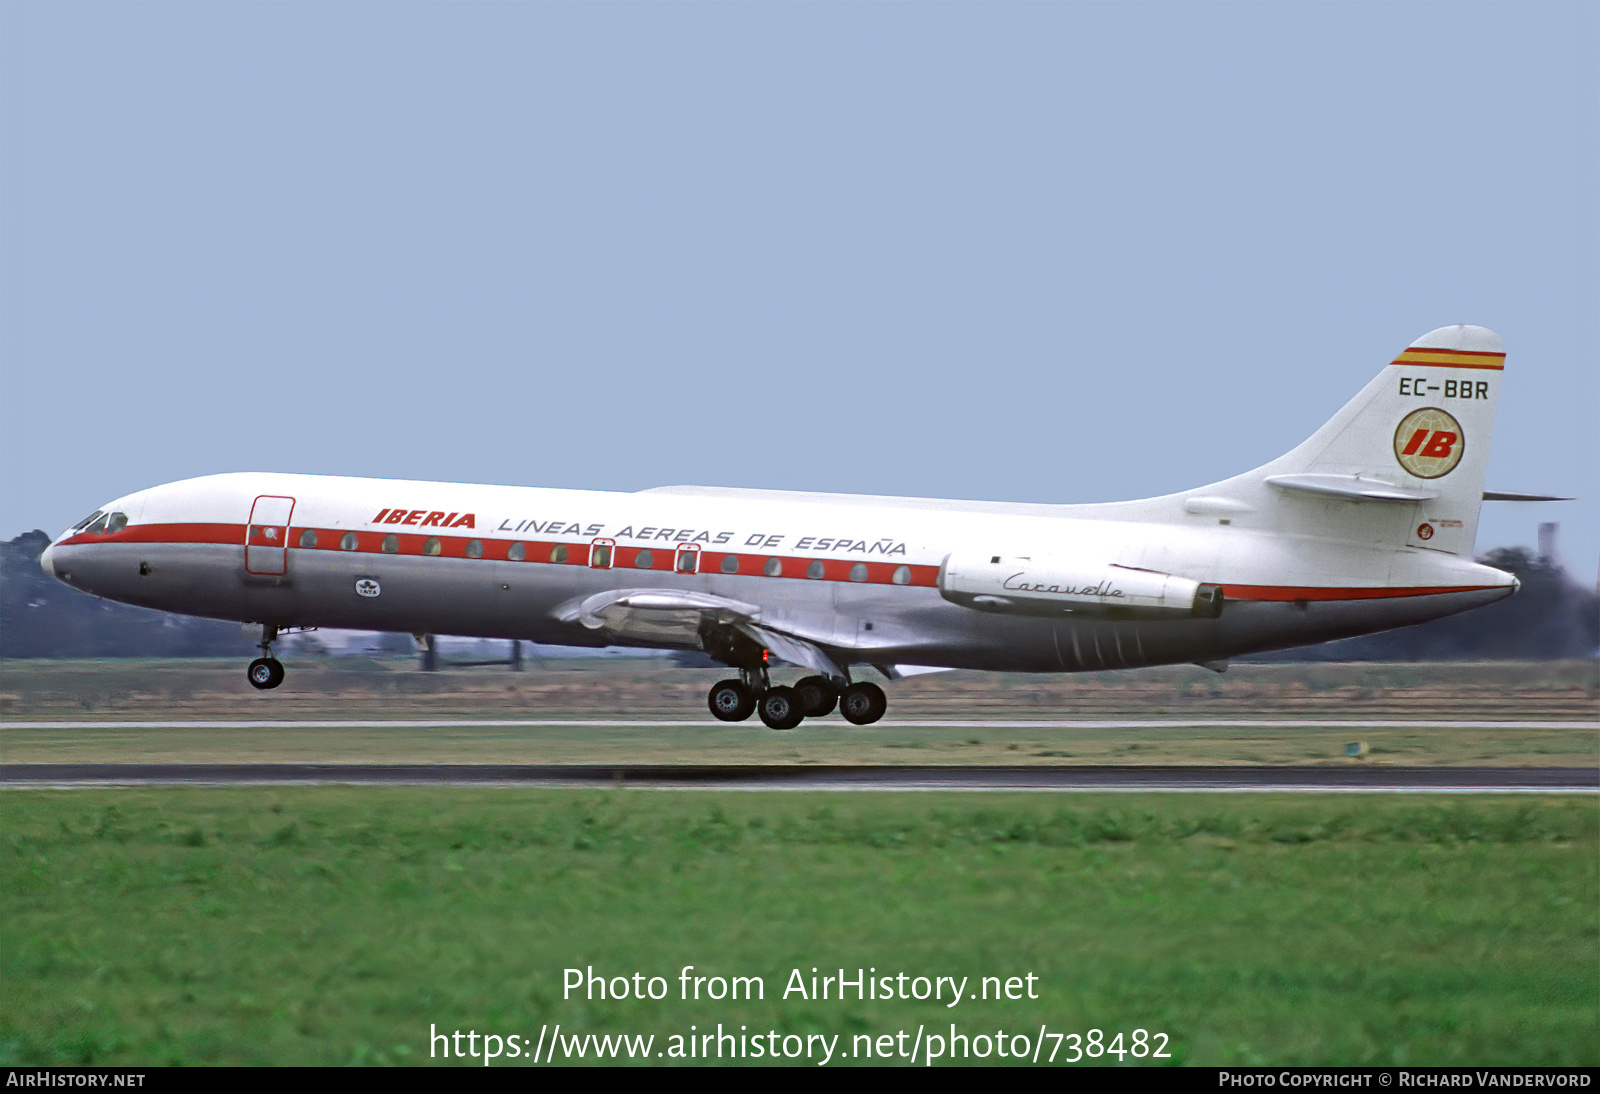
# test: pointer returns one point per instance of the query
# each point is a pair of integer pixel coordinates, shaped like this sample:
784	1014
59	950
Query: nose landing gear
266	671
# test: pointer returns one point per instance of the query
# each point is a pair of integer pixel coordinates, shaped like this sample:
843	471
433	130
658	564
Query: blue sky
1044	252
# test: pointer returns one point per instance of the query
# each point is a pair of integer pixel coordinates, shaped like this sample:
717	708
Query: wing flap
795	650
596	612
678	617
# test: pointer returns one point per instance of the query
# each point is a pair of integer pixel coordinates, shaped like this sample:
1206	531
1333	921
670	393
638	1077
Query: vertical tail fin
1414	443
1448	385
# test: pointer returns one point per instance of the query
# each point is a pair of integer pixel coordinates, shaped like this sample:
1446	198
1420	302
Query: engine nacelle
1017	585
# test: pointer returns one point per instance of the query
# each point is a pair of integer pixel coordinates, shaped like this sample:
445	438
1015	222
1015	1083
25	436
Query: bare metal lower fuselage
914	626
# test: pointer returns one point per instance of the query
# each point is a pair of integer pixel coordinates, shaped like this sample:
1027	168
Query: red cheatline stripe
625	558
1291	593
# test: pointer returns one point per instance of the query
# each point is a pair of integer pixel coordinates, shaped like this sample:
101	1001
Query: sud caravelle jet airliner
1367	525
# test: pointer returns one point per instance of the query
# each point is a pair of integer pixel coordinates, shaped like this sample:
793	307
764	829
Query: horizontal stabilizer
1500	495
1353	487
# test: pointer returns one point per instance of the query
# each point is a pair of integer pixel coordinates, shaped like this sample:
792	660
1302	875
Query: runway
887	723
1263	779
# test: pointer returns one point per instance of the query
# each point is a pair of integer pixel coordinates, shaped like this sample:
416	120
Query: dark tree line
1551	617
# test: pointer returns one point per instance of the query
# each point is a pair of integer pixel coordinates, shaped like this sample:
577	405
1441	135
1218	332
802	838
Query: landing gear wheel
780	708
731	701
265	672
818	696
863	703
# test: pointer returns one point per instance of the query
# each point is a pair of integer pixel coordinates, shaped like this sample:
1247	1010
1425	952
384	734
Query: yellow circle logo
1429	443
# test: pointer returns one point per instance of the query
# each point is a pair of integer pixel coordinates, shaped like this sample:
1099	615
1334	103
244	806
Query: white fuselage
1366	525
860	577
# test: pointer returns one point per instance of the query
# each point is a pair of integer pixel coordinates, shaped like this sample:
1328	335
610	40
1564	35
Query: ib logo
1428	443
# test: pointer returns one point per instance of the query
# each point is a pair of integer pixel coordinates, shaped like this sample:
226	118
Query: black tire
265	673
863	704
818	696
780	708
731	701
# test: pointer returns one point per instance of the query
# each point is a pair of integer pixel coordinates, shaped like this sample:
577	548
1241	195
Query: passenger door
266	541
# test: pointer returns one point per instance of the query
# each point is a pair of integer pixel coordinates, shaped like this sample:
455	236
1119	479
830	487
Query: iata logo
1428	443
366	586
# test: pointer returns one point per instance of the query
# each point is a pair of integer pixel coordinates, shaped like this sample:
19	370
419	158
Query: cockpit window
97	527
116	522
88	520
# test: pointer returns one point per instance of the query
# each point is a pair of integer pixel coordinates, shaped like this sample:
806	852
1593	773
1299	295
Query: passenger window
730	564
902	575
773	568
558	553
116	522
308	538
600	554
432	546
858	572
348	542
644	560
391	544
687	562
815	569
474	548
517	552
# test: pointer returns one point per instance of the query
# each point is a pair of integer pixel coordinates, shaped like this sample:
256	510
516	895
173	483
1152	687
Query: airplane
1367	525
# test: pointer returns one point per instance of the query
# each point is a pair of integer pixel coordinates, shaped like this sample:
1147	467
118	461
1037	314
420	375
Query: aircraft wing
678	617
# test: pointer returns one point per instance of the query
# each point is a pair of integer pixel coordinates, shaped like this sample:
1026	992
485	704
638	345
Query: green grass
334	924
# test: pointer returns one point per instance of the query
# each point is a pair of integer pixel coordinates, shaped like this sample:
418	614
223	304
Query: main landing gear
266	671
785	707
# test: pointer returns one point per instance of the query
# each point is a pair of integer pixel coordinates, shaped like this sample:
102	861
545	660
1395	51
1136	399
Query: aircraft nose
45	563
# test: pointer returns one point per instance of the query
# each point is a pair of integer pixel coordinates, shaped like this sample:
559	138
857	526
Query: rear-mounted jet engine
1019	585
